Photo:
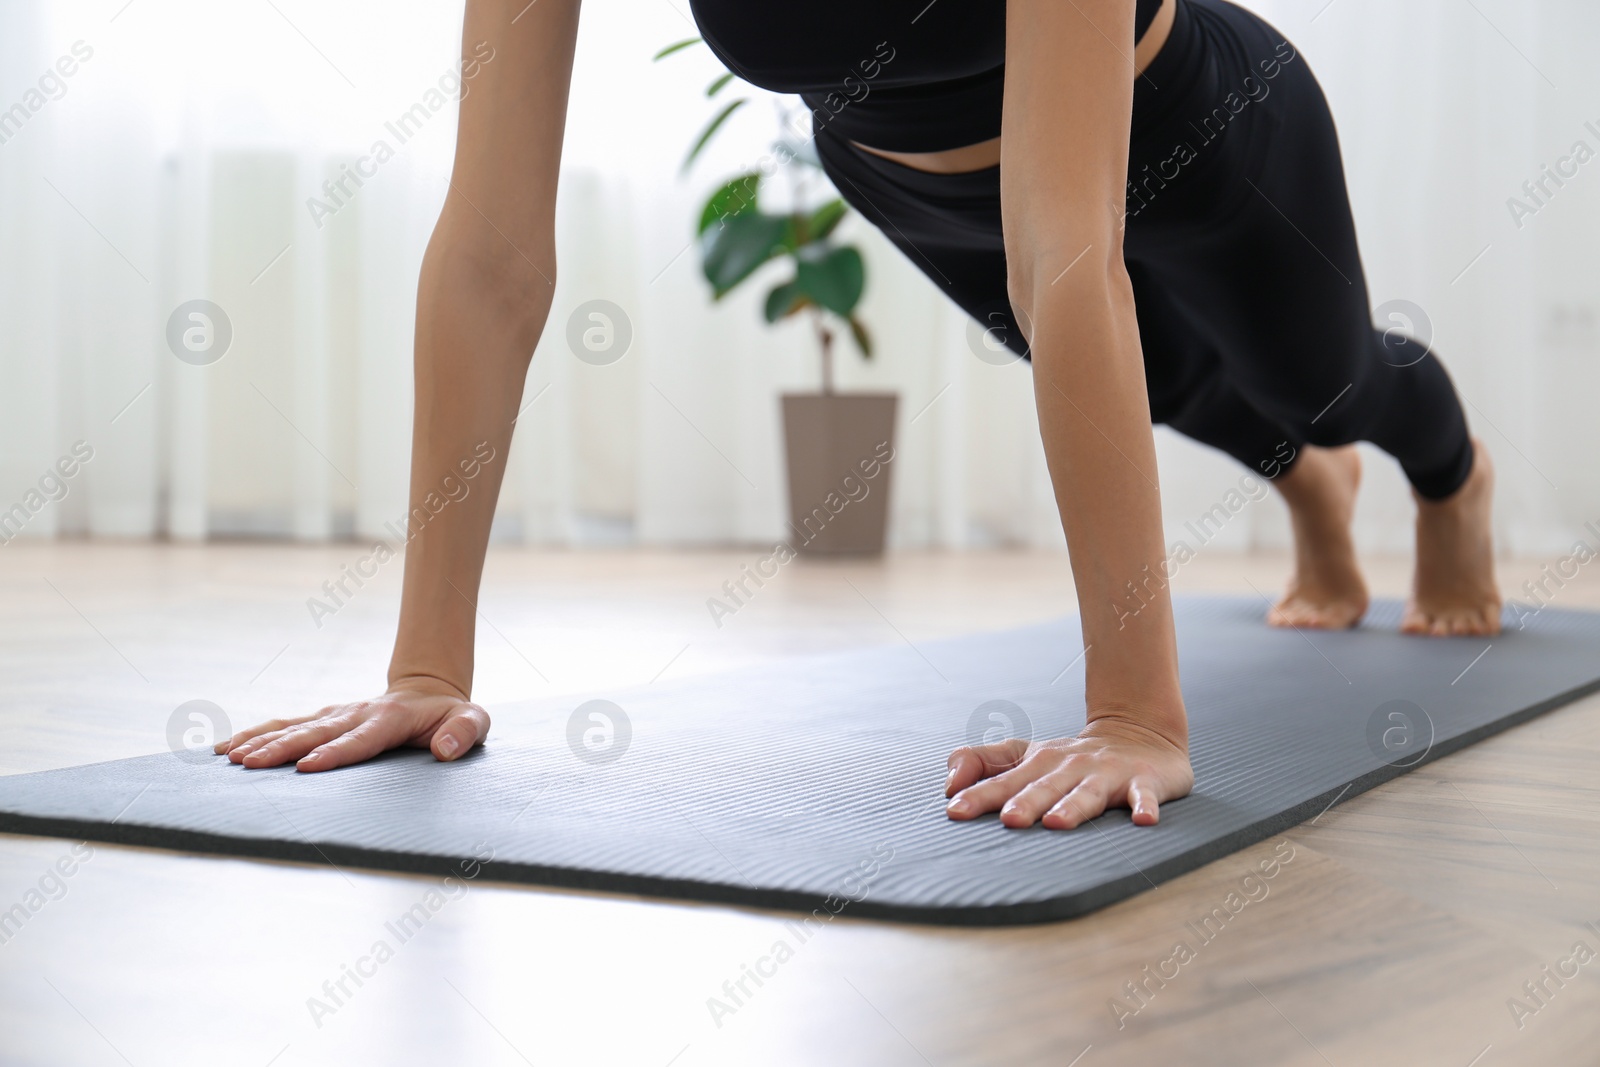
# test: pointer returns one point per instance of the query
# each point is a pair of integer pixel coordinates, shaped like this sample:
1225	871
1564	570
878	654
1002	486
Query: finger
1078	806
1039	796
362	743
464	728
238	752
971	763
256	731
1142	798
991	793
294	742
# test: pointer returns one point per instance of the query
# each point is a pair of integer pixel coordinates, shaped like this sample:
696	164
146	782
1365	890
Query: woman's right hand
420	713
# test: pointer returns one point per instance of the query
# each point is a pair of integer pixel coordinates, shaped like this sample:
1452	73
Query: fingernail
448	746
958	806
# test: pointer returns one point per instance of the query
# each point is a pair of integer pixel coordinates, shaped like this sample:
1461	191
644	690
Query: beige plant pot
840	449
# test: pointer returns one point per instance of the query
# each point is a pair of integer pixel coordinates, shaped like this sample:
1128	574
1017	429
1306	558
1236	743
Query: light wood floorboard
1407	919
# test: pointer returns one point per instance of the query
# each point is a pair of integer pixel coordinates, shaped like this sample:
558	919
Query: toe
1299	617
1321	619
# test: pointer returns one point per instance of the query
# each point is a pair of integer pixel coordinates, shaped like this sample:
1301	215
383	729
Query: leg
1252	236
1190	392
1454	590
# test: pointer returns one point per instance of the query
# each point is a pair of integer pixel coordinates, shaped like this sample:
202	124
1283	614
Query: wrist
1131	674
423	684
1164	721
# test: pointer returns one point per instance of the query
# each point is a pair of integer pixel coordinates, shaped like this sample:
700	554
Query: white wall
178	162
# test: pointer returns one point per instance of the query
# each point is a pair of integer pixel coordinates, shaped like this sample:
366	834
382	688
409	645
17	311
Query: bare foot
1326	592
1454	591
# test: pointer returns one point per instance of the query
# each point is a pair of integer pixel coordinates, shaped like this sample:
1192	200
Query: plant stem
825	338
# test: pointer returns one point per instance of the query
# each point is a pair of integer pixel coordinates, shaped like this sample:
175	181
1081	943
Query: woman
1153	188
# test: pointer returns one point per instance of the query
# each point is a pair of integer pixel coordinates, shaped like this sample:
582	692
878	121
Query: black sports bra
901	75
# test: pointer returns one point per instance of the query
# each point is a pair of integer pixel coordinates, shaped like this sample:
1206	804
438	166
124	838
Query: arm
1064	152
485	290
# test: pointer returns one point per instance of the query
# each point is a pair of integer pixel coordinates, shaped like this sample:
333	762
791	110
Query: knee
1333	428
1337	409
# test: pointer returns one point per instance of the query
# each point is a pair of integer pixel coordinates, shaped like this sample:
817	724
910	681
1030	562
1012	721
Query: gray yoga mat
815	784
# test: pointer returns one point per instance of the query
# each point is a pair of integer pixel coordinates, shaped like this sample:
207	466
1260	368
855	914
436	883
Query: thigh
1180	362
1253	236
947	225
1189	386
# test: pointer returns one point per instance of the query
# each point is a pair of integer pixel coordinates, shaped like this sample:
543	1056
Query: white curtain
177	159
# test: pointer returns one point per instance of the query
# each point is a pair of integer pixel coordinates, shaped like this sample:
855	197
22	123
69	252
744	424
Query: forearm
477	323
1095	420
484	293
482	299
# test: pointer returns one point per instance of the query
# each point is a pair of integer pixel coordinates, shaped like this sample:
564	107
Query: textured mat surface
816	783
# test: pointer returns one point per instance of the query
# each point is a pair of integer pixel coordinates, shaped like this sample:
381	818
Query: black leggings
1252	305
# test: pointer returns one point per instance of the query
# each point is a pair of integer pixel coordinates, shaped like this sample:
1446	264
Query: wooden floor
1400	931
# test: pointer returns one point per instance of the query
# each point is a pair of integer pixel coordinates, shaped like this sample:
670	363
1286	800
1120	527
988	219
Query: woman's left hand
1114	762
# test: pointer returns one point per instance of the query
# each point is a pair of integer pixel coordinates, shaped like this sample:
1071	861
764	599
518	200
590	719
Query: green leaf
858	330
711	128
677	46
833	278
826	218
785	300
716	87
791	233
732	252
735	198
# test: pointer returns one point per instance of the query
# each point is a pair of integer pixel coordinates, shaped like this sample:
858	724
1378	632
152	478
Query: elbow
490	292
1075	263
1071	291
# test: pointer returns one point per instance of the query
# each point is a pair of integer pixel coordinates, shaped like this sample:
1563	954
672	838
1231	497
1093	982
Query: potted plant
838	446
